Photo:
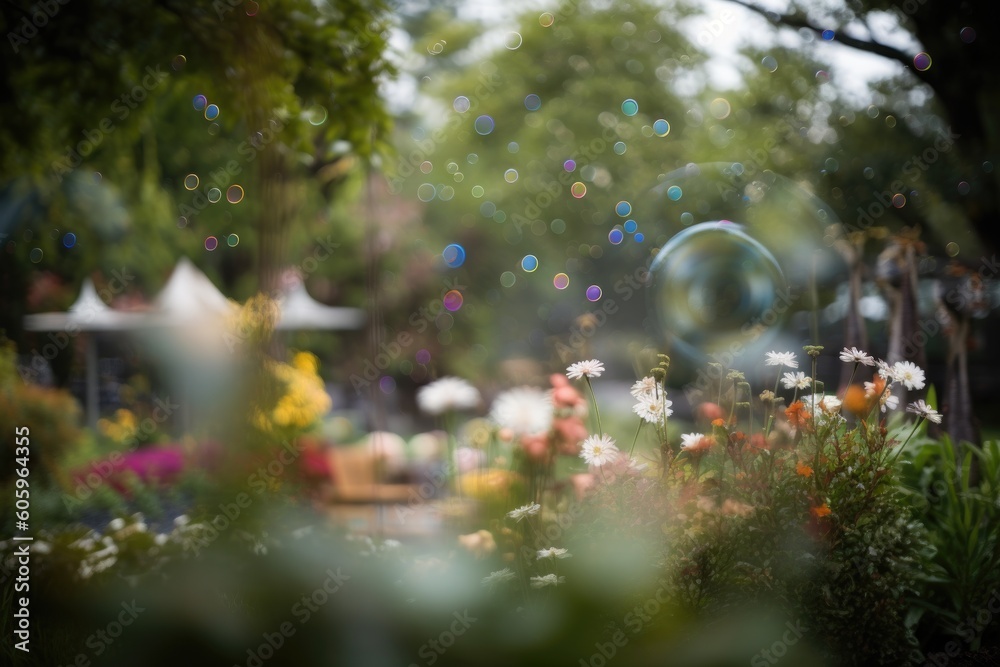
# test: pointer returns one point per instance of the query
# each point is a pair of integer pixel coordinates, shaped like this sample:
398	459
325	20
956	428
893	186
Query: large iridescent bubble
741	249
709	282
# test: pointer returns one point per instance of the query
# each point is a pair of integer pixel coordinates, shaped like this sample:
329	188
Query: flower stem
597	410
636	438
895	456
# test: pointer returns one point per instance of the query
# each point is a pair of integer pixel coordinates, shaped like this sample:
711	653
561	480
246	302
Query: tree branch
800	21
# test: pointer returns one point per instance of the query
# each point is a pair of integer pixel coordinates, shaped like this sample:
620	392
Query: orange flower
797	414
856	401
821	511
719	422
804	470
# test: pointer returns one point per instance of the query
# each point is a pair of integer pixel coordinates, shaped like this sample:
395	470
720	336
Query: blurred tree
100	132
951	73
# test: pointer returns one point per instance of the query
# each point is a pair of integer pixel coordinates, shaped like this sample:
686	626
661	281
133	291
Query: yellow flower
489	482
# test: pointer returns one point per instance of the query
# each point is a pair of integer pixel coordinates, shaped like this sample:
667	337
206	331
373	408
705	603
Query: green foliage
51	417
963	524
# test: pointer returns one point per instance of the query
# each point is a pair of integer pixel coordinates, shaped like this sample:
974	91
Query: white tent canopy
88	313
298	310
189	299
188	296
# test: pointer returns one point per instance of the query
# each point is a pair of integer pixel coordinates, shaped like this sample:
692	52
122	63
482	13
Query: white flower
524	410
41	547
181	520
921	409
547	580
591	369
854	355
598	450
888	401
796	380
695	442
498	577
446	394
554	552
653	409
781	359
827	403
160	539
646	387
523	511
884	369
909	374
116	524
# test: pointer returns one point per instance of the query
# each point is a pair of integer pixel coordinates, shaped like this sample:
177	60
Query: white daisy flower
888	401
547	580
524	410
647	386
828	403
591	369
696	442
525	510
116	524
598	450
796	380
884	369
653	409
446	394
500	576
554	552
781	359
909	374
921	409
856	356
